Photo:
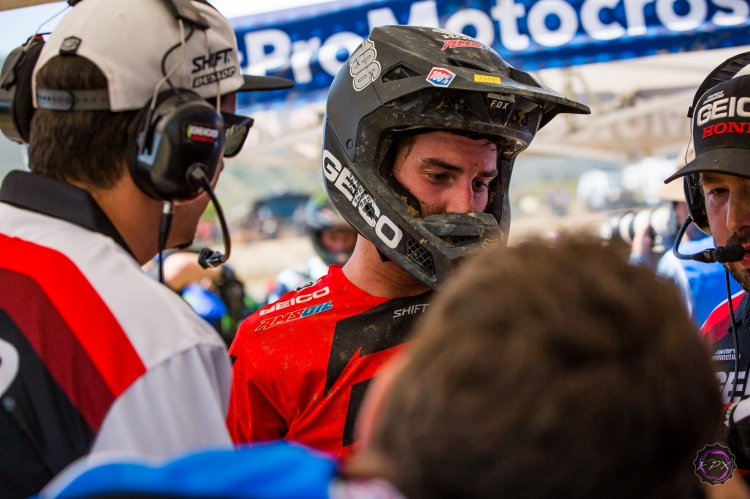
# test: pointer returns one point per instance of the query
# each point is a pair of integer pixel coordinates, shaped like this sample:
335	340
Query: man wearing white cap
132	112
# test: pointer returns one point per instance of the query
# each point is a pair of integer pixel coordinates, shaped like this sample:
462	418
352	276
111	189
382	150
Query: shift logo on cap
440	77
714	464
199	133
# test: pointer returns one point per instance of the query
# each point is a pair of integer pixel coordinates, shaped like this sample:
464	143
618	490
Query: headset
696	202
177	139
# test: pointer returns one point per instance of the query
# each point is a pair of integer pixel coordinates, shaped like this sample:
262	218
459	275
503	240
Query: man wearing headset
94	355
422	127
717	188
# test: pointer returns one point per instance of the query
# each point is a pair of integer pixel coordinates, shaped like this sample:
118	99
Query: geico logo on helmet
346	182
405	80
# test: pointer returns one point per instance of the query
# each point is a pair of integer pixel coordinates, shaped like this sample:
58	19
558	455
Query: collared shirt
94	355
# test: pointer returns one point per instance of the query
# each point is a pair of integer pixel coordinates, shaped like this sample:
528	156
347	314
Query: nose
460	198
738	214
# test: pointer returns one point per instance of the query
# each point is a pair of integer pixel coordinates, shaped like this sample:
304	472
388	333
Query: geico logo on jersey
300	298
197	133
414	309
346	182
440	77
728	107
294	315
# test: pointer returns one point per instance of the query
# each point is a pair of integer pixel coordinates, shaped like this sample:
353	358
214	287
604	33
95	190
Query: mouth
745	262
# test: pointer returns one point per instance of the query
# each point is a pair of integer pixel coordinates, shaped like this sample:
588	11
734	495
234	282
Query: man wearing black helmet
332	238
422	127
717	189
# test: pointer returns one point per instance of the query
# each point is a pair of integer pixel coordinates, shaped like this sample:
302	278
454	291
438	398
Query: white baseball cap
128	39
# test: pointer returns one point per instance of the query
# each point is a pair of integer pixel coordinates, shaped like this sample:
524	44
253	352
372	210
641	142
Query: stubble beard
741	274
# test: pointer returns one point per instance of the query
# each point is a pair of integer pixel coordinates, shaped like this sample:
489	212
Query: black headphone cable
165	223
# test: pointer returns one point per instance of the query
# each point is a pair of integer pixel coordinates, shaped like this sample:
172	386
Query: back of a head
547	372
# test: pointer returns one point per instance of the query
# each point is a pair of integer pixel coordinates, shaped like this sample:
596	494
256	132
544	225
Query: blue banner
310	44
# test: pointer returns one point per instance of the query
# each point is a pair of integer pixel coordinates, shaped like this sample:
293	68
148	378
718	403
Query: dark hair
82	146
551	372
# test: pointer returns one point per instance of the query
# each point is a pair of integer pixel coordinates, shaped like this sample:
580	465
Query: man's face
338	239
728	209
447	173
187	214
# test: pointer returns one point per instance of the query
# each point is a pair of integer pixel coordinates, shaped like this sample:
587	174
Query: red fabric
282	363
89	355
717	324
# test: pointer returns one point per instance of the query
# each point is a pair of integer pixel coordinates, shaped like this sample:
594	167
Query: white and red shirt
94	355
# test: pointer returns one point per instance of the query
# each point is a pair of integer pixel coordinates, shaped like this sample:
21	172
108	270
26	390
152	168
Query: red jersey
303	364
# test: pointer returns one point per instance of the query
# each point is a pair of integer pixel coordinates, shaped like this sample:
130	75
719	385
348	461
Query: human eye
715	191
437	176
481	184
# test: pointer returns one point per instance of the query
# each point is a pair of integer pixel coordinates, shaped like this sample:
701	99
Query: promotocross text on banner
310	44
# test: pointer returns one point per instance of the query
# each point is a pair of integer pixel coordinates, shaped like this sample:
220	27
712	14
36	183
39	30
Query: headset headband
723	72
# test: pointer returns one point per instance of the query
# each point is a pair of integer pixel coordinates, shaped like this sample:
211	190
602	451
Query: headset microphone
722	254
207	257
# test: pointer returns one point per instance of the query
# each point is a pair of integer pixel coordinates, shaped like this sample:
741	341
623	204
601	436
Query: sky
19	24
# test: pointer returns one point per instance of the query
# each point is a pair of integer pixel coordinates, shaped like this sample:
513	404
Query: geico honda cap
127	40
721	130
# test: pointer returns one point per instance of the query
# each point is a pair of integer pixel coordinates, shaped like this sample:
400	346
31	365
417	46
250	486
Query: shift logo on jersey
414	309
8	365
714	464
294	315
349	185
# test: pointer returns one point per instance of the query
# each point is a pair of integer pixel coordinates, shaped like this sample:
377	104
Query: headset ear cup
134	130
23	101
21	106
183	131
696	203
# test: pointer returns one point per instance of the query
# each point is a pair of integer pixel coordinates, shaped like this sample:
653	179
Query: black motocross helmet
320	214
404	80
